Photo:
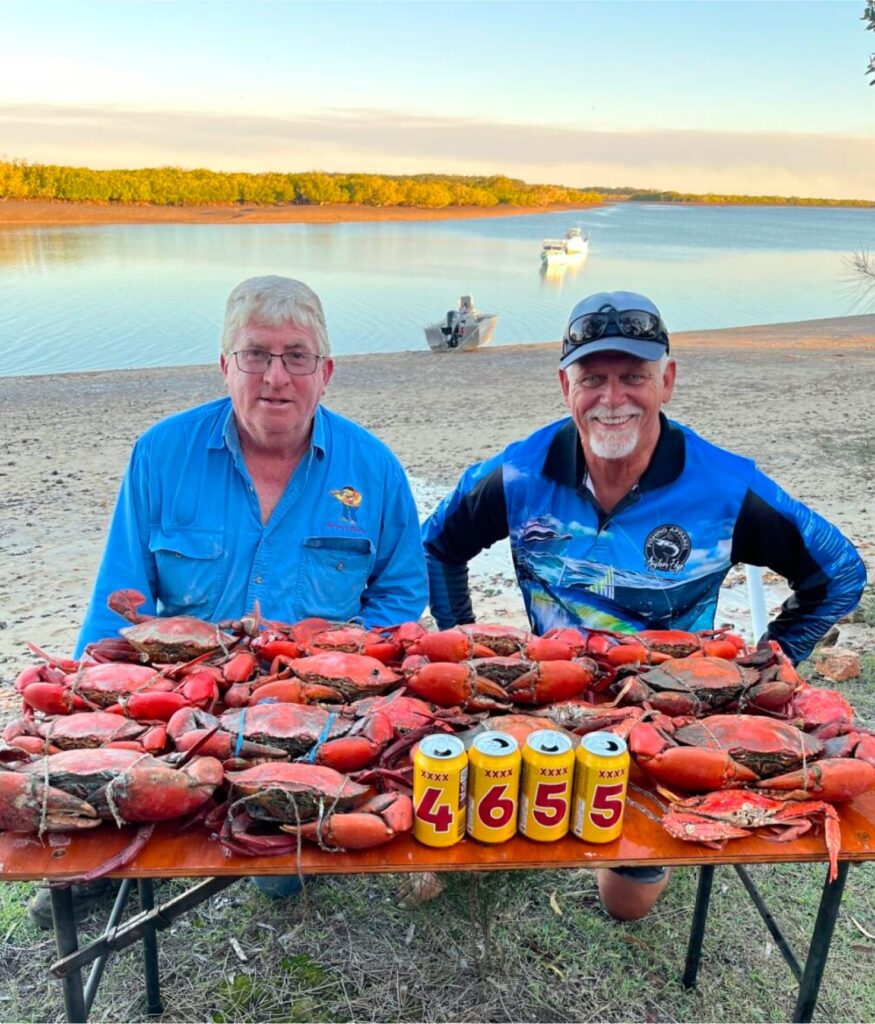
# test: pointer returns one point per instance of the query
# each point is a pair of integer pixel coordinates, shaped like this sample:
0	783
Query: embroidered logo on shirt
351	499
667	548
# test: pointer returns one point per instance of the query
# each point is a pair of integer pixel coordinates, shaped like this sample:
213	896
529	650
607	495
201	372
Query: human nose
275	372
613	392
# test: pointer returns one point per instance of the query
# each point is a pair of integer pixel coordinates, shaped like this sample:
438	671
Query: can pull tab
612	745
443	751
550	748
503	742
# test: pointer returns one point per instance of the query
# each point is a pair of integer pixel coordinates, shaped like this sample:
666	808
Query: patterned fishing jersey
654	561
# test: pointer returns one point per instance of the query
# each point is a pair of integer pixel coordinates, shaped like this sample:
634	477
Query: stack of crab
305	730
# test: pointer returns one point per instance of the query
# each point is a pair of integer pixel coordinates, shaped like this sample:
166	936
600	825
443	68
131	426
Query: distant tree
869	17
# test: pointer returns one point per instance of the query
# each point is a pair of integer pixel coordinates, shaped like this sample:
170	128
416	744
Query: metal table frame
144	926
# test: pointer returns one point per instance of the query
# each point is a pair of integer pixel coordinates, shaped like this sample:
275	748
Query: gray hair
271	302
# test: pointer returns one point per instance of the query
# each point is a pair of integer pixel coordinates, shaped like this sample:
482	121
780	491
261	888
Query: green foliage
173	186
709	198
869	18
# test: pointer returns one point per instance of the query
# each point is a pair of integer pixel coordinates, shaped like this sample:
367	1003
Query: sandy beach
45	213
796	397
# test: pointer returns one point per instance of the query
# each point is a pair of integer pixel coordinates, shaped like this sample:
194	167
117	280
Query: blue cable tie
310	756
239	745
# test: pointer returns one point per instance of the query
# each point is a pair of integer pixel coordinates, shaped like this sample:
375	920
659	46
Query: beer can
493	787
440	781
545	788
601	774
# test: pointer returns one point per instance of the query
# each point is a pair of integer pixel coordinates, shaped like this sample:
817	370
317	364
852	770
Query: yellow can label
493	787
599	792
440	781
545	789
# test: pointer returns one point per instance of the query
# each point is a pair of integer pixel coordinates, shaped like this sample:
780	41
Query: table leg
818	951
67	942
150	951
697	931
99	965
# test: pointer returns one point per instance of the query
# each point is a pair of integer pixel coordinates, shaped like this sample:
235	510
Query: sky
704	96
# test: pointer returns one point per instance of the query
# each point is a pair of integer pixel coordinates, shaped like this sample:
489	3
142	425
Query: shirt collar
565	462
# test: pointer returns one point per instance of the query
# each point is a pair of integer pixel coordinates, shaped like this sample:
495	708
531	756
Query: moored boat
461	329
574	247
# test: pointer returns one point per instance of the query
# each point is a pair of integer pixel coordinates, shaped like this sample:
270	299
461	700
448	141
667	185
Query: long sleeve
821	565
126	558
470	519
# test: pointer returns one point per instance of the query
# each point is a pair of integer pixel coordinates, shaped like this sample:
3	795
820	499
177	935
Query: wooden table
194	855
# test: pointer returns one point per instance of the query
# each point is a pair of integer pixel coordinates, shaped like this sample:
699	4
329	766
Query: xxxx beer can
545	789
493	787
601	774
440	780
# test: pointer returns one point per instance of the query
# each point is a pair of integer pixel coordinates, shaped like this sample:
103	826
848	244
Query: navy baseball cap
614	322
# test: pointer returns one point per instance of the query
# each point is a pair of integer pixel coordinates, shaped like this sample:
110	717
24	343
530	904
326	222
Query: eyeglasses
630	323
297	362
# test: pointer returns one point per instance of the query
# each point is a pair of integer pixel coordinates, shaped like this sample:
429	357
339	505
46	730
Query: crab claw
693	769
53	699
834	779
293	691
549	681
449	645
29	805
126	603
372	823
448	685
361	746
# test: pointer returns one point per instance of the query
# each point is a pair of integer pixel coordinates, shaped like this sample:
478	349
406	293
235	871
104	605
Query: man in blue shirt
264	496
620	519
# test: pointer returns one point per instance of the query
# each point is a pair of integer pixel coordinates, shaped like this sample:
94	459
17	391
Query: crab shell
716	817
350	675
174	638
101	685
127	785
177	638
293	793
687	686
285	731
720	751
82	729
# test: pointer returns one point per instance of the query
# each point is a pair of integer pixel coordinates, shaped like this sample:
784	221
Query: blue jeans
277	886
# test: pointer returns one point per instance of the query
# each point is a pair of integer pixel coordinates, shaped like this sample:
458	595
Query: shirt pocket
189	564
334	575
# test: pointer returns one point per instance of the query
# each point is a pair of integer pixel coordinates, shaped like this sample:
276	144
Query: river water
126	296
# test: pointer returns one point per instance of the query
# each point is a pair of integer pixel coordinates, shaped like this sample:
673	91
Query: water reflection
104	297
557	275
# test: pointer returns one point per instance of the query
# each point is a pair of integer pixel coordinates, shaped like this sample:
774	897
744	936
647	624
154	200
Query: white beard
617	444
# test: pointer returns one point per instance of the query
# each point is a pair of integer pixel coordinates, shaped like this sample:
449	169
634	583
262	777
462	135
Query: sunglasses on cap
628	323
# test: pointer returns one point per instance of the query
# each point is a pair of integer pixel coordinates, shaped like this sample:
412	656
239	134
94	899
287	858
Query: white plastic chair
756	594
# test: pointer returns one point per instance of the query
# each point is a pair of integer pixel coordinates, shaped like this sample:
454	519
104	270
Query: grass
492	948
502	946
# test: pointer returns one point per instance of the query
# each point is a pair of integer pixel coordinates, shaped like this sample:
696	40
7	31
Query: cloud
394	142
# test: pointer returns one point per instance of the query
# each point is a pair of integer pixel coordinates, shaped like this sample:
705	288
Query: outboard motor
450	330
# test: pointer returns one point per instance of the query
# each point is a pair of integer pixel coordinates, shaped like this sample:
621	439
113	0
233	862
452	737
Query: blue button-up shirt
343	541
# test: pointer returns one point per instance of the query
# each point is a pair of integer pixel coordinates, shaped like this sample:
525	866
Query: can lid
442	746
495	743
606	744
549	741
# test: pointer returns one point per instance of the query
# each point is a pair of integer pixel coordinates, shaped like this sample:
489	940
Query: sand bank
44	213
796	397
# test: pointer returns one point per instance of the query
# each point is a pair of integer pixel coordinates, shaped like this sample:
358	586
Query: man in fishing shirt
262	499
622	519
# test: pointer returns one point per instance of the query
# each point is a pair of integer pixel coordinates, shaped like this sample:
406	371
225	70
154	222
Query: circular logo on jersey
667	548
